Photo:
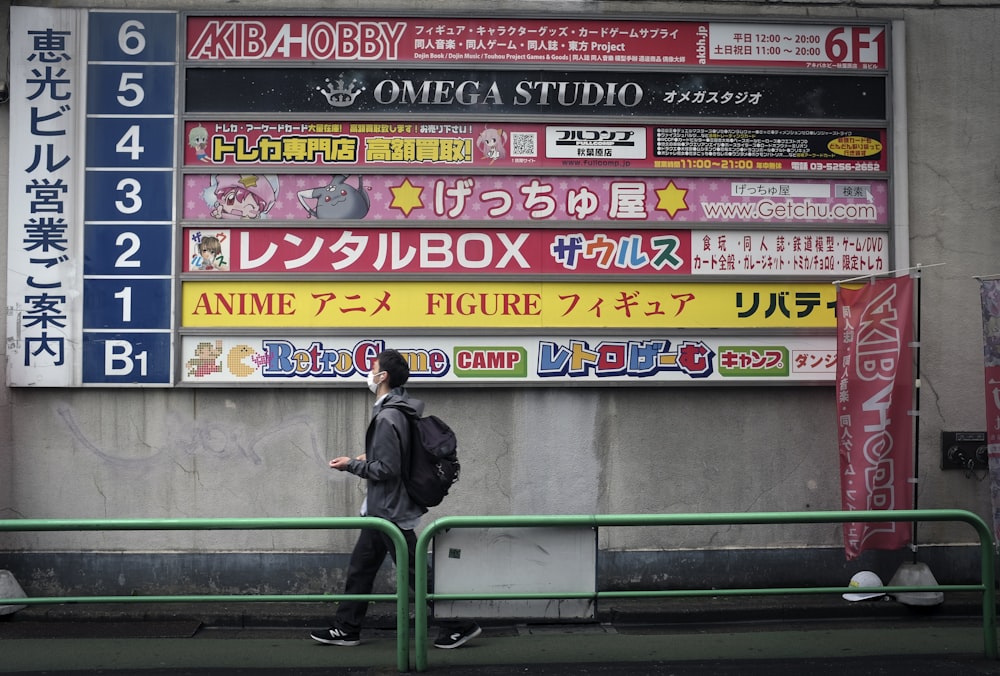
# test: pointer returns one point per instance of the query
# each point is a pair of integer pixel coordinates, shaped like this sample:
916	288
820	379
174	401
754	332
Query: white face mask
372	385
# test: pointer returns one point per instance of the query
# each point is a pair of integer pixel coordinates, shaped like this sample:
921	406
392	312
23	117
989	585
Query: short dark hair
393	363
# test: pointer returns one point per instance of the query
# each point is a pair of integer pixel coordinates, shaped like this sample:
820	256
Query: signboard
43	224
488	146
333	303
592	93
186	179
526	251
551	40
875	390
530	198
512	360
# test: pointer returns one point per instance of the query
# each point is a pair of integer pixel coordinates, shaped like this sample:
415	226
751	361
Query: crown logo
339	94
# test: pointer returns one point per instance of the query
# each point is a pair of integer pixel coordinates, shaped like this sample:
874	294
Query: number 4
129	144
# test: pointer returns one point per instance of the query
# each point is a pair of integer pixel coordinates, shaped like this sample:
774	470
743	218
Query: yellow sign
503	304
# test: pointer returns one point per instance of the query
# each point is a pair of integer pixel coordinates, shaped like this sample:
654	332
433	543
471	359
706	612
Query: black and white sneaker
449	639
336	636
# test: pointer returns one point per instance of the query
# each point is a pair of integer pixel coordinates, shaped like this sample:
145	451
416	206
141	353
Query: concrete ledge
132	574
721	611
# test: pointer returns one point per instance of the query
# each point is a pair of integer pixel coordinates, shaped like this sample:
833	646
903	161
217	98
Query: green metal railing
357	522
987	585
422	596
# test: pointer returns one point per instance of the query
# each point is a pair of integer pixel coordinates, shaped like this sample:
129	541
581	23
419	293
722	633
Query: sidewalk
759	635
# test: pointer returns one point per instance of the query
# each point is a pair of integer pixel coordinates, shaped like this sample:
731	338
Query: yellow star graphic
671	199
406	197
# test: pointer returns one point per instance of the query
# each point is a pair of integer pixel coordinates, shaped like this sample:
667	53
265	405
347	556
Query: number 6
130	32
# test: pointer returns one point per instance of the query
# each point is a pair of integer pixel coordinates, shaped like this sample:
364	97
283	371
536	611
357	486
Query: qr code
523	144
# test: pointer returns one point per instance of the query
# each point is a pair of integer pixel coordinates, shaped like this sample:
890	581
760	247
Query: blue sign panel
128	250
129	196
130	142
132	36
126	303
130	89
123	358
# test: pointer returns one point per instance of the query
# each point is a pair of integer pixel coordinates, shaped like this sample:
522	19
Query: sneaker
449	639
336	636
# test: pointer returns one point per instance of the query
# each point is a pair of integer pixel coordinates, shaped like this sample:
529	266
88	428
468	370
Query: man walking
387	444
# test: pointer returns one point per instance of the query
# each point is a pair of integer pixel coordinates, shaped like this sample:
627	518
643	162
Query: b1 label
137	358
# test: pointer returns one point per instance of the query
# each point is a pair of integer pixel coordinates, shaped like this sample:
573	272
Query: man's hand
340	463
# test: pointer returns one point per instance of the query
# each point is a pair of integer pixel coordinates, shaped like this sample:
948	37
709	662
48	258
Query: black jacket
387	442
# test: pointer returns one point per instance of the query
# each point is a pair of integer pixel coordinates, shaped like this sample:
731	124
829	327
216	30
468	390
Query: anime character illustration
337	199
491	143
208	254
244	196
205	359
198	139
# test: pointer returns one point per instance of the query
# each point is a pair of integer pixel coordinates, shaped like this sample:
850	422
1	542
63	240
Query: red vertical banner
875	391
990	292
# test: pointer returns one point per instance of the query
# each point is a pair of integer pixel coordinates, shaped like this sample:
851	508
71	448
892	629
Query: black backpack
433	466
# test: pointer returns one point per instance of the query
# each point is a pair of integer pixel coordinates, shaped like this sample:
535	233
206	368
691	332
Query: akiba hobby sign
536	40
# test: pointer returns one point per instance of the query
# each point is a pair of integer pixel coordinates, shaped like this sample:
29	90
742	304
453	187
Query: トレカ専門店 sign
488	145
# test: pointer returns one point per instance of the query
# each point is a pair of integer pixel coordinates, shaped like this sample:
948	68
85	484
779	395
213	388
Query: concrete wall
122	453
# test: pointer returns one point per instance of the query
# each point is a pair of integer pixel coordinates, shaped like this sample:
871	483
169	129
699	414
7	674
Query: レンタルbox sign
202	199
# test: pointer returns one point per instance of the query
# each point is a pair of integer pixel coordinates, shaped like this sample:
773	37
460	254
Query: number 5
132	93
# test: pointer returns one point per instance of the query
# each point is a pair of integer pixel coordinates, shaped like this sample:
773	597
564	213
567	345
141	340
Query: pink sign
874	398
532	199
989	292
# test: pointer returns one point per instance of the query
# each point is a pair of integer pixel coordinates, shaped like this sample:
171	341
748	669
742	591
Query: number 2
125	260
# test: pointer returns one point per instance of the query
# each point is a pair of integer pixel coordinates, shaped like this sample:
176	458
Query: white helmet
865	578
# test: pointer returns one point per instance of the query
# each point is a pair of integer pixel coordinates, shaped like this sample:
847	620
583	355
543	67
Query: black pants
366	559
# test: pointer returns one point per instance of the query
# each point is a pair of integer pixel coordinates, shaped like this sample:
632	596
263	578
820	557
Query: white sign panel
43	218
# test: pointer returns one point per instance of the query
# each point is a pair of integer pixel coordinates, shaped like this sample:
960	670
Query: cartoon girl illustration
491	144
242	196
208	254
198	139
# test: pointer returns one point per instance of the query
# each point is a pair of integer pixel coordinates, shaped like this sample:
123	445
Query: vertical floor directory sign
129	211
91	219
43	214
